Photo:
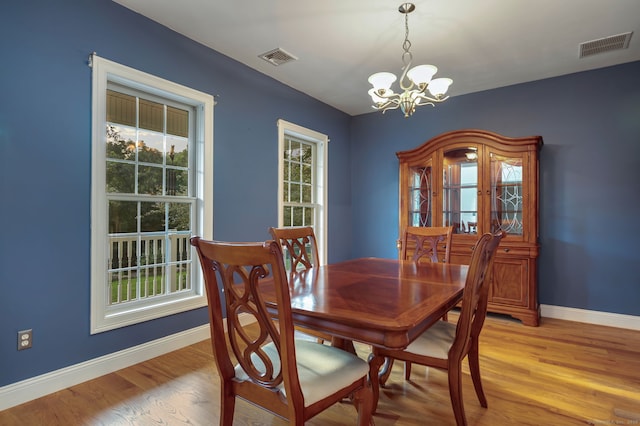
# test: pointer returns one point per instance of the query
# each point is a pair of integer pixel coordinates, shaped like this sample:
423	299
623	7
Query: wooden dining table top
383	302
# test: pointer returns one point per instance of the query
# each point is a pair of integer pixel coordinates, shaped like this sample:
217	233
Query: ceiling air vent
607	44
278	57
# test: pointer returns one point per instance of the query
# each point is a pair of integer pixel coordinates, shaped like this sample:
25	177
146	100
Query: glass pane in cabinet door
420	184
506	194
460	190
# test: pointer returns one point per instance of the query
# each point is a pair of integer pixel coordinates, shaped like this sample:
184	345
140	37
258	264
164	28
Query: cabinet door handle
506	250
488	192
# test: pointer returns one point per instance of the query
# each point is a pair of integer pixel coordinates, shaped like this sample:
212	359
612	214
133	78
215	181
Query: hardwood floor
561	373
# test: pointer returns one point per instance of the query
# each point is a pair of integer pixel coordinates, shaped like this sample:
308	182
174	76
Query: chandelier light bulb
439	86
421	74
382	80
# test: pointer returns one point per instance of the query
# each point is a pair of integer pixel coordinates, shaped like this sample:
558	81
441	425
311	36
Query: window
151	190
302	181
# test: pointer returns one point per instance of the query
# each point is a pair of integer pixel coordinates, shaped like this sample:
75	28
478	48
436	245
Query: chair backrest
476	292
299	246
239	269
419	242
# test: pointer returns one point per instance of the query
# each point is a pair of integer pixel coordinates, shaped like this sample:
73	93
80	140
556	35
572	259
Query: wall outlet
25	339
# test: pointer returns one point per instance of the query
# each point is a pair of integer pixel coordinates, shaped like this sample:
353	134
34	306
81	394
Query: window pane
308	216
152	217
151	251
151	115
177	182
287	170
295	172
150	147
298	218
177	121
306	174
295	151
306	193
122	217
121	142
152	281
295	193
177	151
307	151
121	108
149	180
123	286
179	247
287	216
179	276
120	178
180	216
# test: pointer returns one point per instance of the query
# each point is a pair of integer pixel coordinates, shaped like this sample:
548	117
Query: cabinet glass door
506	194
420	201
460	190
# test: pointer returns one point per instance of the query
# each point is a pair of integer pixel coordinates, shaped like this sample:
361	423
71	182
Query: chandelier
414	82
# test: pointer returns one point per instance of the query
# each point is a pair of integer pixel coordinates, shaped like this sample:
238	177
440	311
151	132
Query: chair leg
363	399
455	392
407	370
474	368
227	407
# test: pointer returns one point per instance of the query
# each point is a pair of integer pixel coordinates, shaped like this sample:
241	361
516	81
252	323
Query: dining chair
420	242
444	345
300	251
293	379
423	243
299	246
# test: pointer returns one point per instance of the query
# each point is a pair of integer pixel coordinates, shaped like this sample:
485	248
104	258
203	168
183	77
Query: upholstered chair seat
321	369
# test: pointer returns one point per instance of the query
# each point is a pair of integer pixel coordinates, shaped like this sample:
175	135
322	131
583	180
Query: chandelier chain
407	44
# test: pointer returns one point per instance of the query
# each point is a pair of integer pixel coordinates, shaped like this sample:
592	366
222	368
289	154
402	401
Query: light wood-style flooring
561	373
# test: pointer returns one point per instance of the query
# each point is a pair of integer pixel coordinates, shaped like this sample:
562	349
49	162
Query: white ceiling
480	44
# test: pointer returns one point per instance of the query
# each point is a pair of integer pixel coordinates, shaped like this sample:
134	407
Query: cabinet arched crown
479	181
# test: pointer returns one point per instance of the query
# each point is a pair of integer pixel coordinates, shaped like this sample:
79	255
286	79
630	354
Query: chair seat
322	369
435	342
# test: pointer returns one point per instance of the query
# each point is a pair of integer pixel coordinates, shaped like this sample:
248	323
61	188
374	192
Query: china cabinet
478	181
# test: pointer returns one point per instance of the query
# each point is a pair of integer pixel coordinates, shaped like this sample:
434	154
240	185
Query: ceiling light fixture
419	80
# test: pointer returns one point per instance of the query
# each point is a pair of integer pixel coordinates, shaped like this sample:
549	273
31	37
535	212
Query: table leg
375	362
344	344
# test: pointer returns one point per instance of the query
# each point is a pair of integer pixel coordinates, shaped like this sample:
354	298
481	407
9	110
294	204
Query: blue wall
45	141
590	177
590	171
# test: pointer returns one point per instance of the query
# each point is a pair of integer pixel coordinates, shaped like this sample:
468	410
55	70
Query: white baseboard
591	317
35	387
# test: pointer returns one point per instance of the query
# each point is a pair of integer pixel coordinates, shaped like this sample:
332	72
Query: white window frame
321	142
103	316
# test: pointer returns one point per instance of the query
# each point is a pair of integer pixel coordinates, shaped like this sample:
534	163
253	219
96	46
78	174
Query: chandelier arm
429	99
404	75
390	104
386	107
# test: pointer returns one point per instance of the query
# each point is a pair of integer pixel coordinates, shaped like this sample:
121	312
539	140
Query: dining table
375	301
383	302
